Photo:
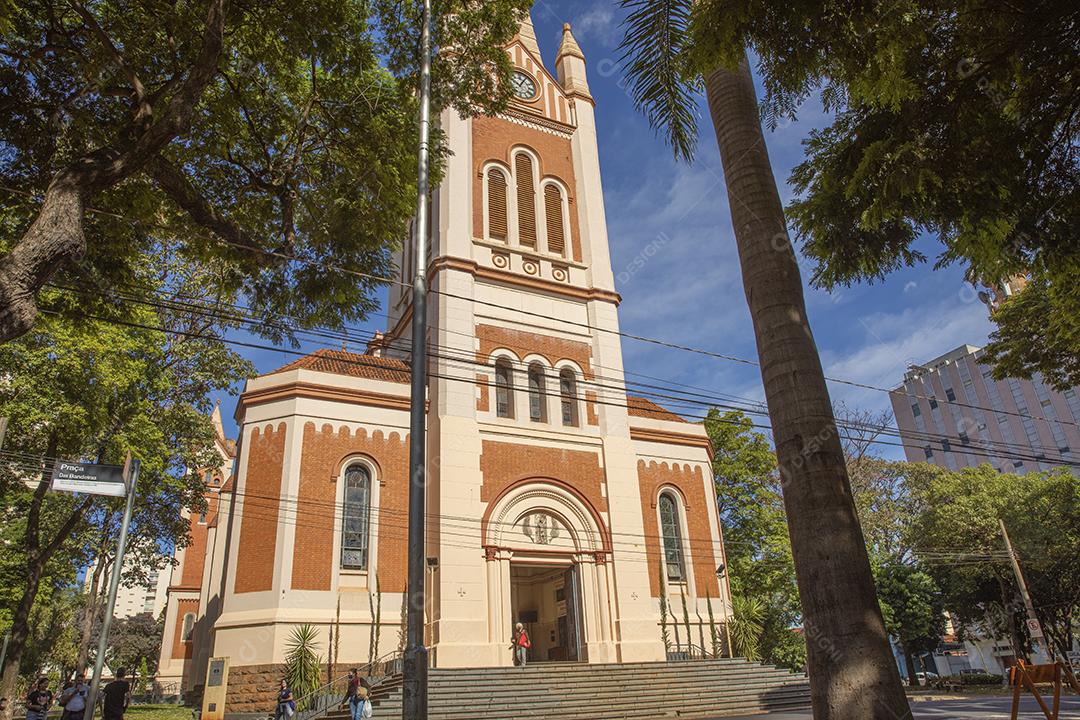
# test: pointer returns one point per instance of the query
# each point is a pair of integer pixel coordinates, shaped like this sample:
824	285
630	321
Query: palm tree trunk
852	672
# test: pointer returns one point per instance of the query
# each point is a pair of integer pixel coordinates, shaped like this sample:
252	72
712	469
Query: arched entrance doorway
548	553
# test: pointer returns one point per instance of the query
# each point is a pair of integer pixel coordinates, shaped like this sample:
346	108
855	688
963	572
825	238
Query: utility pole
1034	628
415	660
114	585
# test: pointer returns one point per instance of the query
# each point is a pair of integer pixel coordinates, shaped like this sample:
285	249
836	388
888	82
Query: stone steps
579	691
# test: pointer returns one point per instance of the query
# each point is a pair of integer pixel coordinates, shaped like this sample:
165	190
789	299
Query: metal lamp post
414	676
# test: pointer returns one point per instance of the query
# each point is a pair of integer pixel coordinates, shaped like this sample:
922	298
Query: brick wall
324	451
493	138
182	650
690	484
504	464
257	549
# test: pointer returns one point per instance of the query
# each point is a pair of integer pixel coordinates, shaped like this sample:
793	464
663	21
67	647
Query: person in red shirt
521	645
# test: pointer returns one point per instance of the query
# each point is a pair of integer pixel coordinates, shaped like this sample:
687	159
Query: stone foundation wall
253	688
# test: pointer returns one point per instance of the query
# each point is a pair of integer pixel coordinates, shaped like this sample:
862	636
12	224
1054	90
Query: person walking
74	698
358	696
286	704
521	645
115	697
38	700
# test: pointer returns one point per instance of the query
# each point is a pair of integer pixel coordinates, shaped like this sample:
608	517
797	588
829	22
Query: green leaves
662	82
302	662
747	626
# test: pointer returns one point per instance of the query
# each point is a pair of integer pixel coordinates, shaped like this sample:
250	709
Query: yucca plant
302	662
746	627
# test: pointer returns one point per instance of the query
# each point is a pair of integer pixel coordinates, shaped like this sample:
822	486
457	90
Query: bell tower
526	383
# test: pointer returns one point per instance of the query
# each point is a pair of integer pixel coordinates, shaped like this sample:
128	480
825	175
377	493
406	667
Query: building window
355	515
498	226
188	627
556	228
915	409
568	396
202	518
946	446
526	199
669	527
933	403
950	394
929	452
504	389
537	393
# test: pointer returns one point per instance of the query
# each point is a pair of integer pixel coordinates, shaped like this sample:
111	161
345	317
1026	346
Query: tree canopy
267	140
956	119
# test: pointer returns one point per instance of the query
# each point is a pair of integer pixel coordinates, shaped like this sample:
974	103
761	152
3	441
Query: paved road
995	708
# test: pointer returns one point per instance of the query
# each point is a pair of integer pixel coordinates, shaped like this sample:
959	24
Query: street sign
89	478
1034	629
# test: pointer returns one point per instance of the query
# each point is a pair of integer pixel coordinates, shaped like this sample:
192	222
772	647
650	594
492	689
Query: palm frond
654	58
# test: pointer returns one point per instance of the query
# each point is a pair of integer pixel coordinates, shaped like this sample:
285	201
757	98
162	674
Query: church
554	498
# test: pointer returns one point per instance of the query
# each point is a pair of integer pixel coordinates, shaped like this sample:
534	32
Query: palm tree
852	672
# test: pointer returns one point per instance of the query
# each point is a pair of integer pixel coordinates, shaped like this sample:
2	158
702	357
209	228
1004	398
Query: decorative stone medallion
541	528
559	273
500	260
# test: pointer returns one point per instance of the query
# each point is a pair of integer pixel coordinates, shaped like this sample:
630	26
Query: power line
619	390
631	336
472	381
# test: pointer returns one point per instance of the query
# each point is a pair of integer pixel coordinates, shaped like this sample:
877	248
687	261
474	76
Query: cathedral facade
554	498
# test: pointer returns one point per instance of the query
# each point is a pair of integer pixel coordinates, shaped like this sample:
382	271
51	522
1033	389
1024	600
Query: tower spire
570	64
527	35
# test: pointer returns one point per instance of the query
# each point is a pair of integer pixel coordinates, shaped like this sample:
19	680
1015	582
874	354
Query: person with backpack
38	700
286	704
521	645
358	696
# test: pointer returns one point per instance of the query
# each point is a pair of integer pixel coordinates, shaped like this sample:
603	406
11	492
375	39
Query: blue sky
689	290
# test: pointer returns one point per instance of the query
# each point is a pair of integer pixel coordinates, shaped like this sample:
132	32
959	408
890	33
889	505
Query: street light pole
415	665
114	585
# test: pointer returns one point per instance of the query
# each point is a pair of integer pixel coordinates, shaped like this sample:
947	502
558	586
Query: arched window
526	199
498	227
188	627
553	210
537	393
669	528
504	389
356	510
568	396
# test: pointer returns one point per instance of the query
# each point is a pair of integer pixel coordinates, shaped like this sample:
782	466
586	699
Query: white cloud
911	285
598	23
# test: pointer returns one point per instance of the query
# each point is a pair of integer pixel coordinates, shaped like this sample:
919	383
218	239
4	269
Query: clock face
523	86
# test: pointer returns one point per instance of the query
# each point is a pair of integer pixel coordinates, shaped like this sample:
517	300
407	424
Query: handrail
682	652
319	702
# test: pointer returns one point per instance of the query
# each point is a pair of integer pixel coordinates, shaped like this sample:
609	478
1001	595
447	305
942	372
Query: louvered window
504	389
526	200
537	394
497	225
556	233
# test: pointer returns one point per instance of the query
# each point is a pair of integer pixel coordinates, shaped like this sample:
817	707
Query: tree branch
141	110
174	183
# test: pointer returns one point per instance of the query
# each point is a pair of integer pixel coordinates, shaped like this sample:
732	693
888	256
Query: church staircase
579	691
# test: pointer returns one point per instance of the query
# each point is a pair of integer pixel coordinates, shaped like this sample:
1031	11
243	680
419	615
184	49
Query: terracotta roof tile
643	407
341	362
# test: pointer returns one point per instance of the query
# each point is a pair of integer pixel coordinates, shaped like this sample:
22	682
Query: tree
135	643
95	389
912	606
961	510
836	587
957	119
267	140
758	549
302	663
